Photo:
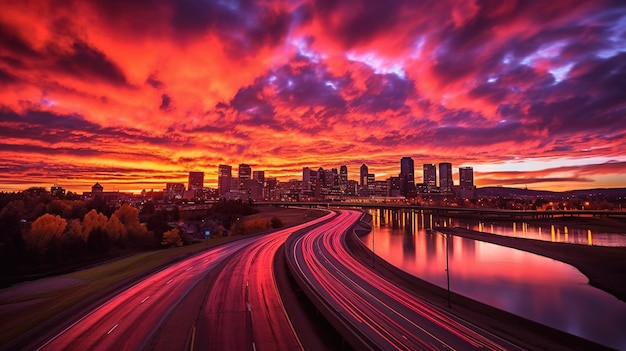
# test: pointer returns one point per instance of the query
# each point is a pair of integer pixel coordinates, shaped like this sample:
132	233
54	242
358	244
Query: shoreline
604	266
519	330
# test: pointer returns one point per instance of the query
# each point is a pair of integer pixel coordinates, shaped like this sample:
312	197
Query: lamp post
373	252
445	236
447	269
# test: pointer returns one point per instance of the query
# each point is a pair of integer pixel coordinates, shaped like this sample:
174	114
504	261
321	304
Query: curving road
380	314
243	310
240	307
128	320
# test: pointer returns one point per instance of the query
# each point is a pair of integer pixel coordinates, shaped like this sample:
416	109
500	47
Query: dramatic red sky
133	94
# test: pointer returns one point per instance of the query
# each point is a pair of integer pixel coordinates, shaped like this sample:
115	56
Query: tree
276	222
74	229
43	232
171	238
59	207
129	216
93	221
115	230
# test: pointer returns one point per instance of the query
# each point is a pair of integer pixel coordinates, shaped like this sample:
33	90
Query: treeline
42	234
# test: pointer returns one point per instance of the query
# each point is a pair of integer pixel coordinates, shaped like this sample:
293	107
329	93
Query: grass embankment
26	307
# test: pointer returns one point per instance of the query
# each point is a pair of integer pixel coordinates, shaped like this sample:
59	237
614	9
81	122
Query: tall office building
393	186
445	177
371	183
343	178
245	171
363	179
224	177
309	178
259	176
196	181
407	177
466	177
430	177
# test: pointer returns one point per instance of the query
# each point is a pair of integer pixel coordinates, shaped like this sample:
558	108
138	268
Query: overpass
485	213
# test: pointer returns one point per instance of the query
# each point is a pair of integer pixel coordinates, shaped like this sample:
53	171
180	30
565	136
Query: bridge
483	213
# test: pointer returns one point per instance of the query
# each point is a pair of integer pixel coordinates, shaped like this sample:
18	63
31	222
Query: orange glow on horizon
135	96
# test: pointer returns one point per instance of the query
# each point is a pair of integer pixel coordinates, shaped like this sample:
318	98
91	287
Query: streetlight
373	252
445	236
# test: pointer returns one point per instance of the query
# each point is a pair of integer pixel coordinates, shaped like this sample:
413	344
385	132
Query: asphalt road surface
380	314
128	320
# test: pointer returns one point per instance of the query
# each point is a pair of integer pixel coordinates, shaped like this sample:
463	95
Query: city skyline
133	96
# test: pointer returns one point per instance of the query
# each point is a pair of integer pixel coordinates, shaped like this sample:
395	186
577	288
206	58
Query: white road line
169	281
145	298
112	329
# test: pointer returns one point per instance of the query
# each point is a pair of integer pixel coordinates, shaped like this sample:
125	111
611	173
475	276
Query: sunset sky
134	94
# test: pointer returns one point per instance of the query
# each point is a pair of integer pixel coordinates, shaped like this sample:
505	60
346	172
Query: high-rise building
343	178
309	178
363	176
259	176
245	171
196	181
445	177
466	177
430	177
174	191
371	180
407	177
393	186
224	177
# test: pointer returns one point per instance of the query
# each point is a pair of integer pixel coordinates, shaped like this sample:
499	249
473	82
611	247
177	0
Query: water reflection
529	285
412	221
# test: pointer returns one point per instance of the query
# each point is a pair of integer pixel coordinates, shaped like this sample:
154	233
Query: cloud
181	85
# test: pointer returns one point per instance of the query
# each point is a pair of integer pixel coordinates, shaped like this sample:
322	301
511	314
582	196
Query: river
535	287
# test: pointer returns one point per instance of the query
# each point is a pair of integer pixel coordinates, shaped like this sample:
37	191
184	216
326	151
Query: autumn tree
115	230
172	238
74	230
59	207
136	232
93	221
43	232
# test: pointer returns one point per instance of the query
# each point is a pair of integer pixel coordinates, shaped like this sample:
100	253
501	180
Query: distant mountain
505	192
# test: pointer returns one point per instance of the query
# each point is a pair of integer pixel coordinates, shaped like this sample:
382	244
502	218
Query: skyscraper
466	177
245	171
363	178
309	178
430	177
407	177
224	177
259	176
196	181
343	178
445	177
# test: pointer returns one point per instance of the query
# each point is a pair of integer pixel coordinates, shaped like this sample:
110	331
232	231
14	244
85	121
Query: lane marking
169	281
112	329
145	298
188	269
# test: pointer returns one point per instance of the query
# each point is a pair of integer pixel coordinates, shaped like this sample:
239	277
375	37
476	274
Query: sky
134	94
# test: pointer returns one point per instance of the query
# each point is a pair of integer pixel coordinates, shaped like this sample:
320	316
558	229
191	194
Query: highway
378	314
128	320
239	310
244	310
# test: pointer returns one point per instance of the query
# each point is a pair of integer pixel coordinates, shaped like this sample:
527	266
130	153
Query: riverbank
520	331
605	267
